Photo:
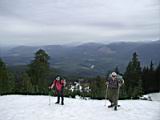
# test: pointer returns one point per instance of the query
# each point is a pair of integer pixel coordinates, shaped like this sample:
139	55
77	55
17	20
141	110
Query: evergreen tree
157	77
117	70
133	77
38	72
151	78
3	77
11	83
145	79
98	88
6	79
26	85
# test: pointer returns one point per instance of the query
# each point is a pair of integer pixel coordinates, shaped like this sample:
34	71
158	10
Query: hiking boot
57	103
110	106
115	108
62	103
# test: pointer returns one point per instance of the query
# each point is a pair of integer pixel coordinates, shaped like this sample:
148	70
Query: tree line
38	75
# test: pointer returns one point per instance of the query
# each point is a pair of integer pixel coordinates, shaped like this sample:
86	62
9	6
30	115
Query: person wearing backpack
114	82
59	84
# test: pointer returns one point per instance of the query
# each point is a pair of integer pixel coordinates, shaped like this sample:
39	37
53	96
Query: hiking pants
60	94
113	96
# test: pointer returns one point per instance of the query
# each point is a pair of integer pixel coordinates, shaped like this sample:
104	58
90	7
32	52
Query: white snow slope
19	107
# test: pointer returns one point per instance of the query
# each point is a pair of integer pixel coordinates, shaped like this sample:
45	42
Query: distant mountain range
87	59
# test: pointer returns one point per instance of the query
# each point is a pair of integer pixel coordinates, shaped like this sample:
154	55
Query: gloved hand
119	85
50	87
107	83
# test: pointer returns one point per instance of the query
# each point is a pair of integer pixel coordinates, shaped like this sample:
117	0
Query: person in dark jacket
114	82
59	84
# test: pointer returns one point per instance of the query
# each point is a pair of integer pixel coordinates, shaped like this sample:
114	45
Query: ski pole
106	95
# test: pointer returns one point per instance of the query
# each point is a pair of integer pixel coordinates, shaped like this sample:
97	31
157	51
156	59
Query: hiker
114	82
59	84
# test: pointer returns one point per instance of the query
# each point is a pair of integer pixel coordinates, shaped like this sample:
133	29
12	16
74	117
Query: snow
155	96
19	107
152	96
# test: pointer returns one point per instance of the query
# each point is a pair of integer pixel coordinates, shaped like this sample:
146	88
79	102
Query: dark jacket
114	84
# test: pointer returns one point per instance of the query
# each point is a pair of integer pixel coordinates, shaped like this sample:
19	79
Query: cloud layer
61	22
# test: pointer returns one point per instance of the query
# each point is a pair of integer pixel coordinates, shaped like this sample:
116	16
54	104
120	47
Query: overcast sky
43	22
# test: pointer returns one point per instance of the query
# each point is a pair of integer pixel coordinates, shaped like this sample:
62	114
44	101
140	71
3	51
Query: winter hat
114	74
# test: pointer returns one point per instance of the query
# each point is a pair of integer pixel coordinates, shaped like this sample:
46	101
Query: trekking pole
119	86
118	96
106	96
49	97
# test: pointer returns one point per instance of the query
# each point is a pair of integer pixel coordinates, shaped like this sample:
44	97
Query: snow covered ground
18	107
155	96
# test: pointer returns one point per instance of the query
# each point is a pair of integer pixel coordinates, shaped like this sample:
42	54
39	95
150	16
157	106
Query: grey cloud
59	21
